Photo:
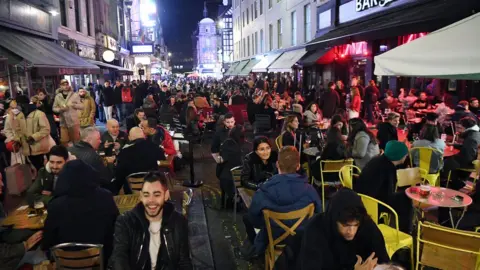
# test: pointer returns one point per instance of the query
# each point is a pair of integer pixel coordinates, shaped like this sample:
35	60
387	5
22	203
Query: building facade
225	32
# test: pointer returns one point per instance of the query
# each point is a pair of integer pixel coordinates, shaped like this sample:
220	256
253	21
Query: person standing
87	115
107	99
127	100
371	97
46	107
67	104
329	101
117	99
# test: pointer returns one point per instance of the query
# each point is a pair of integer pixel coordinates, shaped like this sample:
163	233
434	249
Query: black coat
220	110
324	248
218	138
117	94
80	210
107	96
378	179
231	153
132	240
468	149
386	132
255	172
85	152
122	139
131	122
329	102
140	94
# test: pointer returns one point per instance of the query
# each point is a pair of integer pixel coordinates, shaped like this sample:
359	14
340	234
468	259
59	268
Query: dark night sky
179	19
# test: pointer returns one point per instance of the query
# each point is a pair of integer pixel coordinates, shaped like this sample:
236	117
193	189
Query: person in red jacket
159	134
355	103
127	100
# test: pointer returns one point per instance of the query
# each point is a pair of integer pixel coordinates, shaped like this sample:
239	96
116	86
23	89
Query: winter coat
117	94
363	149
122	139
386	132
45	181
17	128
469	148
84	151
436	162
68	108
324	248
255	172
107	96
80	210
10	254
329	102
132	241
378	179
282	193
127	96
87	115
311	118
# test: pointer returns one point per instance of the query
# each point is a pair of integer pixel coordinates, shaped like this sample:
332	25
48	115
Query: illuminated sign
110	42
142	48
148	12
361	5
406	39
355	49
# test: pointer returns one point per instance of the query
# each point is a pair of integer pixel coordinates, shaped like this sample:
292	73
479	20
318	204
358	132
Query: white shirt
155	241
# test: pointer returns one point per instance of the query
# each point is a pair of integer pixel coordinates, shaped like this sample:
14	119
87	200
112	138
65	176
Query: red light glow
356	48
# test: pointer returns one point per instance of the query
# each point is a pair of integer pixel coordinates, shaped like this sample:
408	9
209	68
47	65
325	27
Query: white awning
451	52
265	62
105	65
286	61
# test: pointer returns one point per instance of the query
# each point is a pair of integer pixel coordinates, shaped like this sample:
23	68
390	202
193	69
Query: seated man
113	139
140	155
135	119
80	210
143	234
159	135
387	131
379	180
335	239
284	192
44	185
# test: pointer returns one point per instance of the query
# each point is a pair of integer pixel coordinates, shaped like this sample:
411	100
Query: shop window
63	13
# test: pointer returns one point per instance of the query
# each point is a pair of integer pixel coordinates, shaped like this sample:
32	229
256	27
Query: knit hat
395	150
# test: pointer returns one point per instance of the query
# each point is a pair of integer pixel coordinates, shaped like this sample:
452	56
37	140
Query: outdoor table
441	197
126	202
167	163
311	151
246	195
19	219
450	151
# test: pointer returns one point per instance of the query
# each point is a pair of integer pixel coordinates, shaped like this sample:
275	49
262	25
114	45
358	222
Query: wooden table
167	163
450	151
246	195
19	220
126	202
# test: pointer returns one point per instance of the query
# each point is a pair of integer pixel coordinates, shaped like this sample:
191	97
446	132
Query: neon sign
362	5
408	38
355	48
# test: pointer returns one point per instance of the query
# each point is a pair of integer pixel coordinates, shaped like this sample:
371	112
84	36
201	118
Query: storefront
366	30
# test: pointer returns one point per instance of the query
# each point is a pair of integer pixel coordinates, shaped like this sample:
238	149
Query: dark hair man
44	185
387	131
330	101
221	135
135	119
152	235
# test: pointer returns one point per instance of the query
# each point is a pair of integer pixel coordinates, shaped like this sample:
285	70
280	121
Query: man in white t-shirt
152	235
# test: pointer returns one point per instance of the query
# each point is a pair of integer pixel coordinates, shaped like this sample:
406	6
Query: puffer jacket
68	108
255	172
87	114
363	149
18	128
132	240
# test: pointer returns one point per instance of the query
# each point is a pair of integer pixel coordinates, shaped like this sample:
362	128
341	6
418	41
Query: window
87	4
77	16
256	43
244	48
270	37
248	46
248	17
261	7
293	18
261	41
252	11
270	4
256	9
63	13
324	19
279	33
243	18
307	23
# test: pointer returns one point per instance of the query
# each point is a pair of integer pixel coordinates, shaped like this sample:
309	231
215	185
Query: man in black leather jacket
152	235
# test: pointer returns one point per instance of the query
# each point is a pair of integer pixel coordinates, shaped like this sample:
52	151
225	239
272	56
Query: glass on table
308	139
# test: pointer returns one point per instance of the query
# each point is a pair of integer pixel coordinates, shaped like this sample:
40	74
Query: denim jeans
127	109
119	108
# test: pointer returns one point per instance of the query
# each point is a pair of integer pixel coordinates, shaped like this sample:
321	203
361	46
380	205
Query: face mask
15	111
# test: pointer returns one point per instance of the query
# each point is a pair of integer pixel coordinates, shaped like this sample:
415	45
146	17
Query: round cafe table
311	151
450	151
441	197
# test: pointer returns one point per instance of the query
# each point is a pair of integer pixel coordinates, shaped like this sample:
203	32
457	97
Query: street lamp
169	54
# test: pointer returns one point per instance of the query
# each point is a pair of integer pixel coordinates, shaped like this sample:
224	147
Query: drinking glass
308	139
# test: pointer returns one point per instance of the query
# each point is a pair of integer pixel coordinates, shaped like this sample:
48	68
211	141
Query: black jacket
140	94
117	94
132	240
329	102
218	138
139	156
255	172
386	132
378	179
85	152
107	96
122	139
131	122
468	149
80	210
44	181
220	110
324	248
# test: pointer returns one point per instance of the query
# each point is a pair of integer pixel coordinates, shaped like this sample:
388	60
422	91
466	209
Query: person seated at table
159	135
135	119
421	103
389	102
219	108
289	136
169	108
363	144
143	234
379	179
473	106
410	99
279	104
338	121
113	139
268	110
387	131
468	153
288	100
260	164
312	114
462	111
284	192
298	99
80	211
344	237
429	137
139	155
86	150
150	106
221	134
42	189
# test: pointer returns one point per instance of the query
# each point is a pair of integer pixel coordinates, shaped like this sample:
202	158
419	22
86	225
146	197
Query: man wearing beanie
379	179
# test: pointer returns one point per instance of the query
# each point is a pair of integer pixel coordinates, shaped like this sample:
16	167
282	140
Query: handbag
19	177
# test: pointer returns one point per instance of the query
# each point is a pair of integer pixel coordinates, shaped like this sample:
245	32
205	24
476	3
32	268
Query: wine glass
308	139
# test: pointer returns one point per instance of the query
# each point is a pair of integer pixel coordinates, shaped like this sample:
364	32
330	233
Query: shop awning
46	57
411	18
239	68
231	68
320	56
451	52
286	61
118	69
248	67
265	62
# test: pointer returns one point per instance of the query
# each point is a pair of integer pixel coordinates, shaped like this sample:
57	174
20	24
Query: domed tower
207	45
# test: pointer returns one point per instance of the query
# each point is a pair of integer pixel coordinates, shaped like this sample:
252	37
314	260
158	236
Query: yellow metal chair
347	173
394	238
475	170
425	155
237	183
410	177
78	256
274	249
446	248
330	166
278	142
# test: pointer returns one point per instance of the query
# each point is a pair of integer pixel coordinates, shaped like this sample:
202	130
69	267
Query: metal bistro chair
274	249
236	176
78	256
135	181
427	157
347	173
278	142
330	166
